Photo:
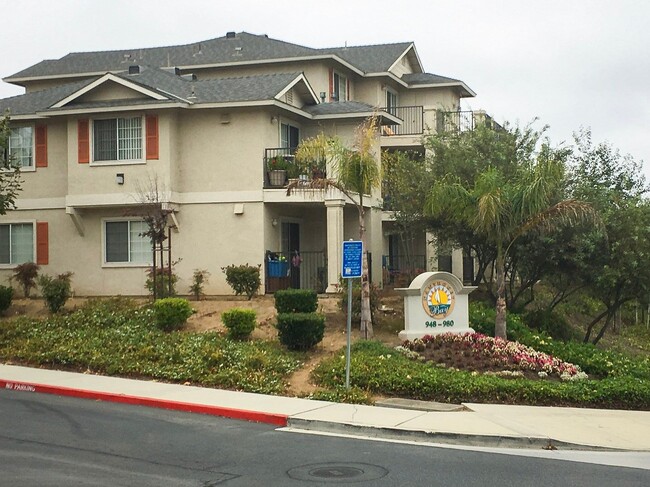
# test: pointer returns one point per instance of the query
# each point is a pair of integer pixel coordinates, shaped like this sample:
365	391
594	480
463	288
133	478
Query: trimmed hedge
296	301
171	313
240	322
300	331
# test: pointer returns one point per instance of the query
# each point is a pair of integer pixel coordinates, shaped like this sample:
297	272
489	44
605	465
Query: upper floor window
339	87
16	243
21	146
289	136
125	242
391	100
117	139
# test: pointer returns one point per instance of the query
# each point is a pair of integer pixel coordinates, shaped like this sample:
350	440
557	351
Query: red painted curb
255	416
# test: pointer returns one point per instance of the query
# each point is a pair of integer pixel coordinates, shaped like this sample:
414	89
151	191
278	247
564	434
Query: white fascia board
298	79
232	104
275	61
104	79
54	76
123	108
384	115
389	75
31	116
445	85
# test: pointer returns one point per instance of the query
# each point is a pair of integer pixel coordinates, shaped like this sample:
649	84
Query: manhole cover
338	472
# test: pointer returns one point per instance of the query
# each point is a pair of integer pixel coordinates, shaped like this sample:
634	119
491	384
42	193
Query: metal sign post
352	264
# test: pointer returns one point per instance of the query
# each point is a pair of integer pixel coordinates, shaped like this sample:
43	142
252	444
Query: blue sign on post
352	257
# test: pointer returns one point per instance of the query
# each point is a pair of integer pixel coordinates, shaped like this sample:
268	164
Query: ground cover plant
117	337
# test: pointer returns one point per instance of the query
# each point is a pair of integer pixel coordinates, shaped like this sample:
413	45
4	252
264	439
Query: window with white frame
340	86
21	146
16	243
125	242
117	139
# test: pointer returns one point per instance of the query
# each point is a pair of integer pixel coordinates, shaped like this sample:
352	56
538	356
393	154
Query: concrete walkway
484	425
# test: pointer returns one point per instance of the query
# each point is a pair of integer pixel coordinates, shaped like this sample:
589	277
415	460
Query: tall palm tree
501	210
355	172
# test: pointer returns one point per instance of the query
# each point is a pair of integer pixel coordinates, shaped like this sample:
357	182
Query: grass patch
116	337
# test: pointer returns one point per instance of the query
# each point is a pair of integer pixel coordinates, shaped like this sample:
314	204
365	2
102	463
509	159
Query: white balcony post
335	225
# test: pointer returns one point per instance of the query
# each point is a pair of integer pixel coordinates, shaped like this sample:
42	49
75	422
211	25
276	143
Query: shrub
6	295
55	290
26	275
296	301
171	313
356	299
243	279
199	278
300	331
552	323
163	277
240	322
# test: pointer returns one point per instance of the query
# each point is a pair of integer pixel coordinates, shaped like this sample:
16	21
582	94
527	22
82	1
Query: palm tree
502	210
355	172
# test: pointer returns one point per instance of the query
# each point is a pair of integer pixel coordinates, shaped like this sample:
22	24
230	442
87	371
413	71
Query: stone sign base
434	303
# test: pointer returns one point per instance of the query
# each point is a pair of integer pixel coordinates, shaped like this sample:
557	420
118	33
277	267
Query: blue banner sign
352	259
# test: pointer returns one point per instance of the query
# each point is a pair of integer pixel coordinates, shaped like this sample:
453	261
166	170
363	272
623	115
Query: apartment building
203	126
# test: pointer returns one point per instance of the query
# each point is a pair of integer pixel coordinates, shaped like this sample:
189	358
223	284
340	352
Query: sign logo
438	299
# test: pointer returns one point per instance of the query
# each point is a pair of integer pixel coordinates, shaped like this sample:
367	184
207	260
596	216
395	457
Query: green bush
55	290
300	331
296	301
199	279
552	323
6	295
243	279
240	322
26	275
171	313
356	299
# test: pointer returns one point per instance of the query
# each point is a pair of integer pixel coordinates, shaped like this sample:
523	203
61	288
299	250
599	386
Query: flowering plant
278	163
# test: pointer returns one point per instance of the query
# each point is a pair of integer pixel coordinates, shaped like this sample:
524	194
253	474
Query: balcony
462	121
412	121
280	166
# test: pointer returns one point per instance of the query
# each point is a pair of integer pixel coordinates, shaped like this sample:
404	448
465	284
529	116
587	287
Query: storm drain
338	472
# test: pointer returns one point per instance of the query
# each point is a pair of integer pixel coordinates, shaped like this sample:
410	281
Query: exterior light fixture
119	178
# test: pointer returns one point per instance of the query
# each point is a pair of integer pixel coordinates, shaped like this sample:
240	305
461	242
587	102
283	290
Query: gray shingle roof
222	50
30	103
339	108
427	79
166	83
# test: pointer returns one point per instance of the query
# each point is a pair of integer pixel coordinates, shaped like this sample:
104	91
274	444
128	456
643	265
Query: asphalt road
56	441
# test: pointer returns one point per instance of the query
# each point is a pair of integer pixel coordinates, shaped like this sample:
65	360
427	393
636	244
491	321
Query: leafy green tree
355	172
618	269
10	180
504	202
405	179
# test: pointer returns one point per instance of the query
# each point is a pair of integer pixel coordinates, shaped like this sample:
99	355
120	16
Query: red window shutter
83	137
42	244
41	146
152	137
331	93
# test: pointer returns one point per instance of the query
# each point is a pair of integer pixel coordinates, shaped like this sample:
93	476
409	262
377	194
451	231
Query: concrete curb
447	438
232	413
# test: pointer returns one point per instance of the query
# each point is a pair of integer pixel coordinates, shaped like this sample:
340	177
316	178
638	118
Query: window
21	146
340	87
16	243
125	244
391	101
117	139
289	136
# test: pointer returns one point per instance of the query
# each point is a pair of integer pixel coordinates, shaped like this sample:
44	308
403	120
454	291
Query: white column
334	243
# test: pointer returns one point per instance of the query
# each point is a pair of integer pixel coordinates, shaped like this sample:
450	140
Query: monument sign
435	302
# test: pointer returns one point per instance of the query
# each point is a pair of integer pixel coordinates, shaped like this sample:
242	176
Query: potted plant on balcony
278	167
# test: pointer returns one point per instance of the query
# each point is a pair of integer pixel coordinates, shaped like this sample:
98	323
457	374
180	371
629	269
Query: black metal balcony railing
284	270
412	121
402	268
284	159
463	121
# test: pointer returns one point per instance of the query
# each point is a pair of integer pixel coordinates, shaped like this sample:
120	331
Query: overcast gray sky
571	63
